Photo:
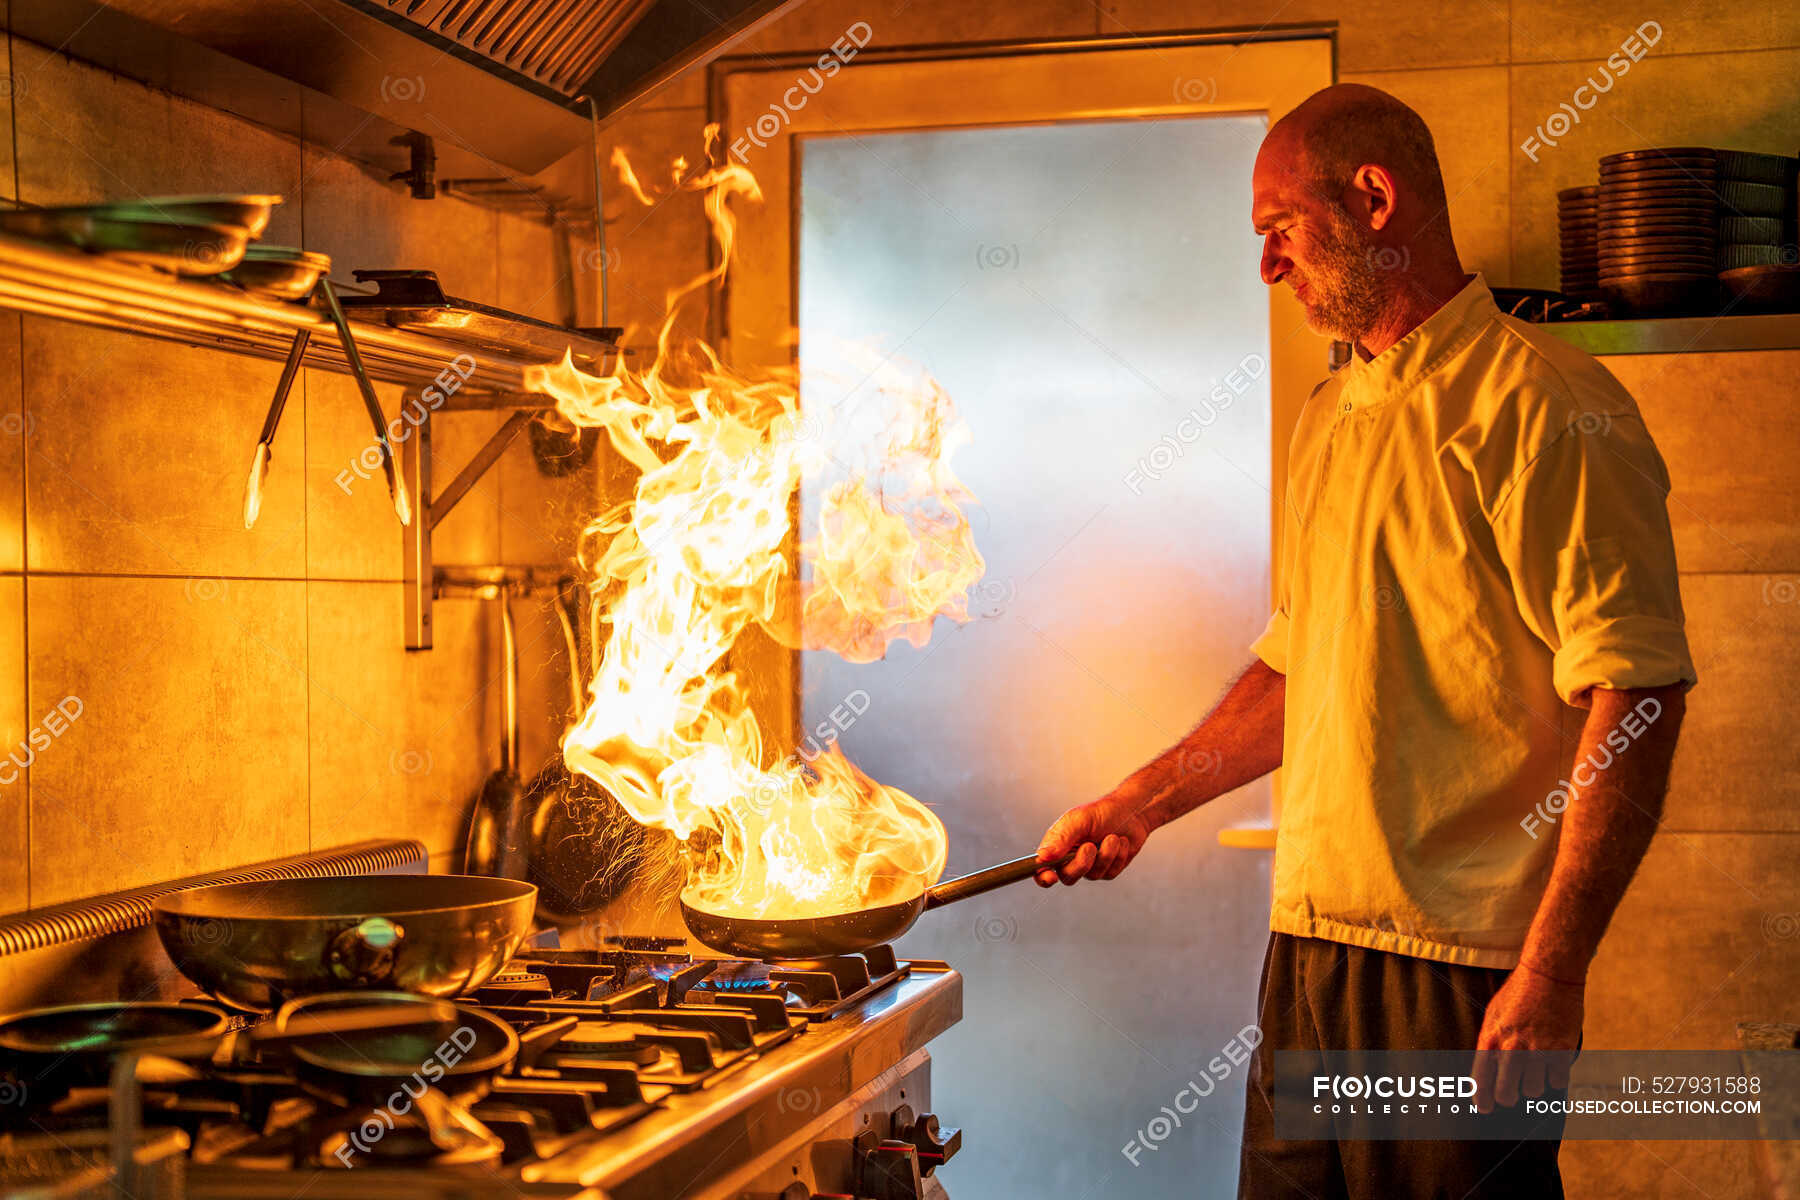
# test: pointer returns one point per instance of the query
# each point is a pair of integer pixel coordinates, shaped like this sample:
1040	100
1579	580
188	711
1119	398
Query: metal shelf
92	290
1682	335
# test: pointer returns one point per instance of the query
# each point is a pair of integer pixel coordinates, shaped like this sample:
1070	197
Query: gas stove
644	1071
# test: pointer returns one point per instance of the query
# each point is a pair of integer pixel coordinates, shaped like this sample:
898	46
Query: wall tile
352	530
1587	31
138	455
470	535
87	135
1738	766
1465	108
544	700
541	517
1741	100
649	250
14	438
400	740
15	792
1659	1170
653	249
1726	431
1379	36
1703	940
1710	919
535	268
189	753
368	223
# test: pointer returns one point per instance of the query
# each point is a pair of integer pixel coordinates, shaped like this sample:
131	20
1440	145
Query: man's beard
1347	290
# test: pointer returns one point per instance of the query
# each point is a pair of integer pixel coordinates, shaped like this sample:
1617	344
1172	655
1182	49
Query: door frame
1225	72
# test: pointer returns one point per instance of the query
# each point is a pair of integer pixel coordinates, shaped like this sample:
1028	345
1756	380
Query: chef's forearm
1612	813
1239	740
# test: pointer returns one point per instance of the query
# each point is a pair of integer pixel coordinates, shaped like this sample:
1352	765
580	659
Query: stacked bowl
1758	264
1577	222
1657	230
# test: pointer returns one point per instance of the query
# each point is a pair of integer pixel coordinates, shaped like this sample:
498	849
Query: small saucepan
849	932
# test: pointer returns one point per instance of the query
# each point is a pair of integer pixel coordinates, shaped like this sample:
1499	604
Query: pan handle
363	954
964	886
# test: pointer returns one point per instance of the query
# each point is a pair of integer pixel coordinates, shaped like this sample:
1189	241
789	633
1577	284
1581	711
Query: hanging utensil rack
94	291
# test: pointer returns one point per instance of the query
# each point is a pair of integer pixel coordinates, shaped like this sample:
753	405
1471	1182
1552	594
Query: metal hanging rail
92	290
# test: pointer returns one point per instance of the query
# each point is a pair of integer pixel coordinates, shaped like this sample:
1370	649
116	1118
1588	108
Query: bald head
1350	125
1350	202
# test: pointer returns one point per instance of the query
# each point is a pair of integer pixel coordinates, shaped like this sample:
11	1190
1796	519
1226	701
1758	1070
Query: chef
1473	676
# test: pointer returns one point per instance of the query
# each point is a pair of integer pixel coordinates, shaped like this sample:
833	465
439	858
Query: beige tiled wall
242	694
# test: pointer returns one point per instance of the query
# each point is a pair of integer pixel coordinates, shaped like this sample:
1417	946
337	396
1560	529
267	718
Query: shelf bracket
487	456
415	466
415	539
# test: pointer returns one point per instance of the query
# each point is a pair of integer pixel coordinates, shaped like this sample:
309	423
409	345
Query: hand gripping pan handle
965	886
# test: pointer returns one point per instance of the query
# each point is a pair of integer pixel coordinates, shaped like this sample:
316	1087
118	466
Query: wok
257	945
846	933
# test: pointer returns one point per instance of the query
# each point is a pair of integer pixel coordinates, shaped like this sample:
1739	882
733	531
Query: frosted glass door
1088	294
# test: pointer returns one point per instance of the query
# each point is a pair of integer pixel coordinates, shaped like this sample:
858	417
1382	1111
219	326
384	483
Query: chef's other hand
1109	833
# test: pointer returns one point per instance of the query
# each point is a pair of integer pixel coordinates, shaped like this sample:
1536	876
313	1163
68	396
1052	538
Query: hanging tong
265	445
396	489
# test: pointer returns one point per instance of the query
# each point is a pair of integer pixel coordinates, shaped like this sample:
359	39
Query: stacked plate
279	272
1657	235
1577	221
1756	203
188	235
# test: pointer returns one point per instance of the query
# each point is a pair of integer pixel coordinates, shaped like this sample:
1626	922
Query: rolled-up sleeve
1272	645
1584	533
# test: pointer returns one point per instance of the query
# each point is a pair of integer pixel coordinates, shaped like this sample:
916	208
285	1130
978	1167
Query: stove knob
935	1146
887	1169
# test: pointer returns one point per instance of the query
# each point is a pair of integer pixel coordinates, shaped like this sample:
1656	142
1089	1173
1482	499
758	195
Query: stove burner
616	1040
514	985
370	1142
641	943
605	1037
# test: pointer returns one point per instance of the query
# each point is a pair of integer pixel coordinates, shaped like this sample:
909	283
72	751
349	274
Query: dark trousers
1320	995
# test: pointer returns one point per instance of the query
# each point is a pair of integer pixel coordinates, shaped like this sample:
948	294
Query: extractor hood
496	82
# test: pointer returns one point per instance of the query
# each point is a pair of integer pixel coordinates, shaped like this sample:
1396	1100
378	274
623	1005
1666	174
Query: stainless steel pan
845	933
257	945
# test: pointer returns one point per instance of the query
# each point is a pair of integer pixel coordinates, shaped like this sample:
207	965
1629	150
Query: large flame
702	553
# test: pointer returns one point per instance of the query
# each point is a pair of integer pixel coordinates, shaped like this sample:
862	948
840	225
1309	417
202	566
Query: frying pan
77	1045
846	933
256	945
73	1045
458	1049
496	842
335	1036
